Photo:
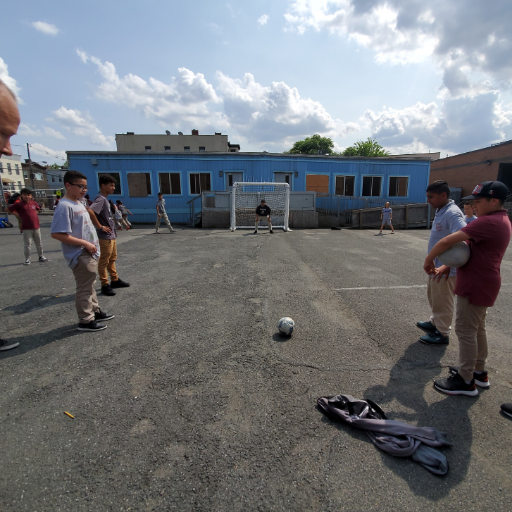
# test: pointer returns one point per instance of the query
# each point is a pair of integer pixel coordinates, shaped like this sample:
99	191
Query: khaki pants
470	329
441	300
28	235
257	222
163	216
107	262
86	301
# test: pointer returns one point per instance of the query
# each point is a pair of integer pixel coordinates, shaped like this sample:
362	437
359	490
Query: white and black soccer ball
286	326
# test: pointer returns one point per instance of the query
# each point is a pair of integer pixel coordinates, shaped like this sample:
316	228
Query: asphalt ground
191	400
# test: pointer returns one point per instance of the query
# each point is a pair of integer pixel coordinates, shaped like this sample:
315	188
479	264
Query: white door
284	177
233	177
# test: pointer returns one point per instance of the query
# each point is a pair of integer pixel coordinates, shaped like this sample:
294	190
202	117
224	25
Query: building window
1	168
372	185
139	184
232	150
199	181
16	166
25	174
117	179
60	179
186	148
19	184
167	148
9	170
53	179
398	186
147	148
317	183
345	185
202	149
170	183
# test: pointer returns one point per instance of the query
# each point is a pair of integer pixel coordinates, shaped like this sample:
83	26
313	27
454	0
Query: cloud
275	114
81	124
39	149
45	28
7	79
459	125
188	98
462	38
53	133
29	130
263	20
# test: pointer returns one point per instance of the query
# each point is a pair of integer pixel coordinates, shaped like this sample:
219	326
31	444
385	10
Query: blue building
183	176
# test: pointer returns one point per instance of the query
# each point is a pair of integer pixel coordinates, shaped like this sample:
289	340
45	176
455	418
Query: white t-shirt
72	218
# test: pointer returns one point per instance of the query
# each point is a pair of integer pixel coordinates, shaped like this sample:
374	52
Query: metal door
233	177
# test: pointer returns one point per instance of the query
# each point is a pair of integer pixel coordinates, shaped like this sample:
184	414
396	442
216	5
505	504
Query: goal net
245	197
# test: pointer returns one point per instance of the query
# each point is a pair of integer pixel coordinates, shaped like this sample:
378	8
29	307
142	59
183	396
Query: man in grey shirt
162	214
440	287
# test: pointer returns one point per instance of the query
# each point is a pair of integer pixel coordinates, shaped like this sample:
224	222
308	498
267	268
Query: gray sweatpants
165	219
28	235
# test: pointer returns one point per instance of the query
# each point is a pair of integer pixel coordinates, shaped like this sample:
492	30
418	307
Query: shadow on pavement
281	337
409	377
28	343
39	302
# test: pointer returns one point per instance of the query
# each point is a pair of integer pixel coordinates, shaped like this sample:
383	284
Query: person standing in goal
263	210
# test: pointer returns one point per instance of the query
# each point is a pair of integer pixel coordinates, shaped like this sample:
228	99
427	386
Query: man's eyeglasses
83	188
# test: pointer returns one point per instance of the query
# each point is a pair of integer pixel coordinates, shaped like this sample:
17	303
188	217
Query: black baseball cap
489	189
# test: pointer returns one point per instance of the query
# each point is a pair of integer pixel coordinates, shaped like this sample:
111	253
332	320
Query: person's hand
429	266
105	229
90	248
441	271
159	215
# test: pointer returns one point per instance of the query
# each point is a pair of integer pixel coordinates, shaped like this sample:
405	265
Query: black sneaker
435	338
428	327
255	232
271	232
455	385
8	345
91	327
100	315
107	290
119	284
506	409
481	379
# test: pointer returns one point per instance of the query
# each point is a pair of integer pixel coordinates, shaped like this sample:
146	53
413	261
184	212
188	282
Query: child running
124	212
478	285
162	214
72	227
387	217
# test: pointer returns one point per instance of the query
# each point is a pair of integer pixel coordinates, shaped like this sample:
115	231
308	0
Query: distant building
11	173
468	169
35	175
432	156
134	143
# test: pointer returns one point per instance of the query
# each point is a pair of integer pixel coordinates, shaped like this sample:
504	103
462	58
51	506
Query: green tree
313	145
54	166
368	147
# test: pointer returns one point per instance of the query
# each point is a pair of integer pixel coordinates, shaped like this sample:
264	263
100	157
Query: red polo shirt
27	212
479	280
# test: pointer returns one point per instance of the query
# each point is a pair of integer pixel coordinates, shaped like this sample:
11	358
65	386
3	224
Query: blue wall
255	167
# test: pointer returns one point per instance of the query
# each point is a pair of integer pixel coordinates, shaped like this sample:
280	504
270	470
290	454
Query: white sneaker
156	232
42	259
27	262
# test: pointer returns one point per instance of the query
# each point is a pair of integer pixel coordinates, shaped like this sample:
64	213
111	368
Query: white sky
416	75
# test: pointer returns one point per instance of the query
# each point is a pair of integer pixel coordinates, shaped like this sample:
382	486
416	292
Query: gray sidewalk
190	400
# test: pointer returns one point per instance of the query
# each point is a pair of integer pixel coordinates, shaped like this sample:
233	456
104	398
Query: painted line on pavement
381	287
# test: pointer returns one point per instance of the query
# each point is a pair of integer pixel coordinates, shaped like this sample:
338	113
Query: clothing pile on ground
394	437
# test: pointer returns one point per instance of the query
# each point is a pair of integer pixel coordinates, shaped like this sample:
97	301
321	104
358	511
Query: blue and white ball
286	326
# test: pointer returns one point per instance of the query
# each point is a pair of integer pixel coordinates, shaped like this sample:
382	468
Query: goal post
245	197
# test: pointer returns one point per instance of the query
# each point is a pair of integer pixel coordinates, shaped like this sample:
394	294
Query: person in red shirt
26	212
478	285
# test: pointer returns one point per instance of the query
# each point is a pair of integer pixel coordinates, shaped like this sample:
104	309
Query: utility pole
30	164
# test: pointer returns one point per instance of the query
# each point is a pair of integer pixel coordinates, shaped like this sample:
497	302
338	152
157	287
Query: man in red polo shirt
478	285
26	211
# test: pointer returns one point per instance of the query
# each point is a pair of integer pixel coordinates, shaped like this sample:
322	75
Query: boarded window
199	181
398	186
202	148
345	185
139	184
170	183
317	183
372	185
117	179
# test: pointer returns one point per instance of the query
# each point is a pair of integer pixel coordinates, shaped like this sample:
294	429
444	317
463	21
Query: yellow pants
107	262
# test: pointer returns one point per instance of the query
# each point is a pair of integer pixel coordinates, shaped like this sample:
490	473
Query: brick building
468	169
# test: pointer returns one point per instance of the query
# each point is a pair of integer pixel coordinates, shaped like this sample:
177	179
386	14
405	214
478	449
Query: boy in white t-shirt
469	213
72	226
387	218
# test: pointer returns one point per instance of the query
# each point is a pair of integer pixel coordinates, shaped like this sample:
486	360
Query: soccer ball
456	256
286	325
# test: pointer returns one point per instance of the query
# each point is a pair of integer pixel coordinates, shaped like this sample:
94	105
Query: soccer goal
245	197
